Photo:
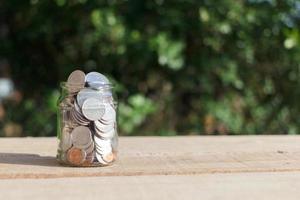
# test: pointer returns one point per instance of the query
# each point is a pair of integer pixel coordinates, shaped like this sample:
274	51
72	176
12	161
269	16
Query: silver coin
100	159
81	119
105	158
81	137
73	118
90	149
78	118
109	115
76	81
76	106
96	80
93	109
99	126
107	135
102	146
87	93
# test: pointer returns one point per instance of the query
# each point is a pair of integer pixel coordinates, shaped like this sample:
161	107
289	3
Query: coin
87	93
90	149
78	119
76	156
109	115
89	159
96	80
81	137
108	157
100	159
102	146
93	109
99	126
109	134
106	135
76	81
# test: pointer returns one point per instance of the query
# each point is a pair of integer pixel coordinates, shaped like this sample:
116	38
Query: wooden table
191	167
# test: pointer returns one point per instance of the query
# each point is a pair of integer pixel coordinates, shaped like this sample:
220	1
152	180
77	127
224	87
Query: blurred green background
179	67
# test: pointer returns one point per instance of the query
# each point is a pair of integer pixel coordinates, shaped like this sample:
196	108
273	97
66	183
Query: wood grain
190	155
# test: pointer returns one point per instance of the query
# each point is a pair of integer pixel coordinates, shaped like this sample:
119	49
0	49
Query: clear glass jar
87	126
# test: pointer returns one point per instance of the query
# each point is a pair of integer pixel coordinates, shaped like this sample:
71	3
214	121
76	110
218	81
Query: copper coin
76	156
108	157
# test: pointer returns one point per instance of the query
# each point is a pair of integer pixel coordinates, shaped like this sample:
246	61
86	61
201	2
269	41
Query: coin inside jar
93	109
81	137
102	146
109	115
108	157
76	156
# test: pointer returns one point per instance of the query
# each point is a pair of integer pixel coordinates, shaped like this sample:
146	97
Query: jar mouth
65	85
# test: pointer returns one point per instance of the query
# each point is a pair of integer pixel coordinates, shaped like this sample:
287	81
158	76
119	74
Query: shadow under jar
87	125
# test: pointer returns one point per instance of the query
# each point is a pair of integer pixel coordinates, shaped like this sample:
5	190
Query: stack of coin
88	134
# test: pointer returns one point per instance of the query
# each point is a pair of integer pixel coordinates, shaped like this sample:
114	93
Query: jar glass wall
86	124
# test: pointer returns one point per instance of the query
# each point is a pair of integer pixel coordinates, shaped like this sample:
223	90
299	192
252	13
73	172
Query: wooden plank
35	157
246	186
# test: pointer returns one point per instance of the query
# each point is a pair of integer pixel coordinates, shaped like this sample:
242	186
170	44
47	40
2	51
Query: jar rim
66	86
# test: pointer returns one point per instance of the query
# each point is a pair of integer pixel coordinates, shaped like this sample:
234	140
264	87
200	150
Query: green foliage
179	67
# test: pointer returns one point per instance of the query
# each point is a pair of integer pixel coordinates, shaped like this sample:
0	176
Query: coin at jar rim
76	156
87	93
96	80
93	109
81	137
76	81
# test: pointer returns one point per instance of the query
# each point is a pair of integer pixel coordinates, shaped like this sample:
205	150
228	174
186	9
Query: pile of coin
88	132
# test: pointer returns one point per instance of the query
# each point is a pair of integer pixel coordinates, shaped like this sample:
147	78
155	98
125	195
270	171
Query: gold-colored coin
76	156
108	157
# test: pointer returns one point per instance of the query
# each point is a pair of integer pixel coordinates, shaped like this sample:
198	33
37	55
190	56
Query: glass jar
87	125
